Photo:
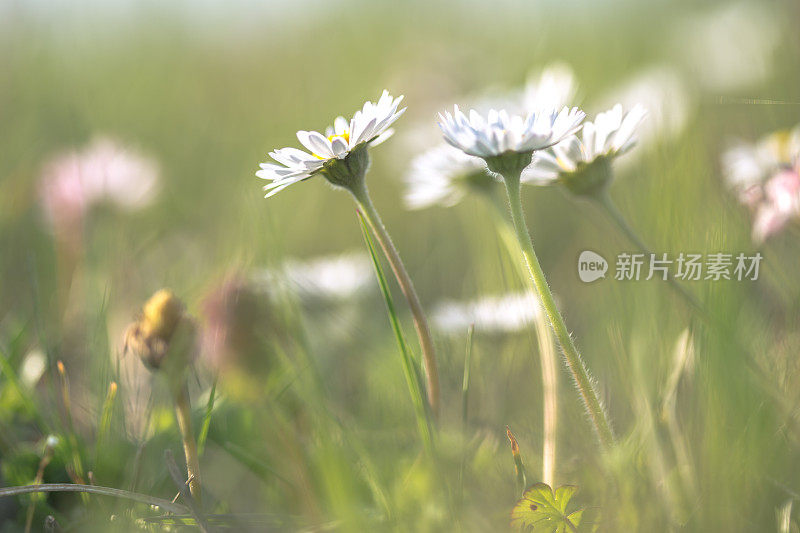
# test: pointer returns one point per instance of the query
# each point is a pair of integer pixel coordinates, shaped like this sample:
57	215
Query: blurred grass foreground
177	352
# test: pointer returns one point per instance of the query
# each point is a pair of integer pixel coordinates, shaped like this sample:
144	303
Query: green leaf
542	511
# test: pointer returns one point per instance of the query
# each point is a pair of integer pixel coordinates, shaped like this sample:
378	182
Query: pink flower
105	171
766	179
780	204
63	193
783	191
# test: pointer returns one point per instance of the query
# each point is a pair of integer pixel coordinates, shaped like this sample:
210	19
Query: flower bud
164	335
238	327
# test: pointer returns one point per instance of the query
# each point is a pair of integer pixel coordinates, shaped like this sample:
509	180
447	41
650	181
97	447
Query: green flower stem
614	213
547	353
573	359
372	217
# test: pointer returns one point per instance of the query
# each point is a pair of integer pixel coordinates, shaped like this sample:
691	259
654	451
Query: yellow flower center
344	135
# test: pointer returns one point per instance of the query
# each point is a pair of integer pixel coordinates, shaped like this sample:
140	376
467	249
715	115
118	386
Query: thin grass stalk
465	380
105	420
47	456
183	412
373	219
547	357
583	381
682	360
164	505
421	411
77	462
206	425
619	220
465	408
547	352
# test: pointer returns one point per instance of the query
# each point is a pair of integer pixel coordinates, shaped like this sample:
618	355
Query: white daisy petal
339	146
340	125
316	143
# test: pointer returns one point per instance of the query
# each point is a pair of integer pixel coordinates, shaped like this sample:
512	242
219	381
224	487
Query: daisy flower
507	144
443	175
341	157
500	133
339	154
582	162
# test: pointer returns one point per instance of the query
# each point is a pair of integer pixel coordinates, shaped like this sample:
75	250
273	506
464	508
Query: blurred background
312	427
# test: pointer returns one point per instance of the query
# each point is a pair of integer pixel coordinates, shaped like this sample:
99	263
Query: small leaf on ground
542	511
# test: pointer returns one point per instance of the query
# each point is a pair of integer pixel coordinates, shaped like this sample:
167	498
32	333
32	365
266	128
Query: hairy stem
372	217
183	412
573	359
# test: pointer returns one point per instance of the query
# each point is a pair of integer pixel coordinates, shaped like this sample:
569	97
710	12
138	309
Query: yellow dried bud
162	329
161	314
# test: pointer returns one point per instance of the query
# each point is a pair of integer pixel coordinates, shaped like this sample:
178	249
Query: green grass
319	431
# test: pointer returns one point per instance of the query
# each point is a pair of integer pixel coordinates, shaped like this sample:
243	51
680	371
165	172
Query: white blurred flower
119	175
442	176
552	88
336	277
663	93
105	171
370	125
731	46
51	442
32	369
500	133
611	134
747	164
493	314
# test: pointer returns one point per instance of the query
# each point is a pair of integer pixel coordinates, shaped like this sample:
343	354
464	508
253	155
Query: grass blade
410	368
164	505
465	381
204	427
105	420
